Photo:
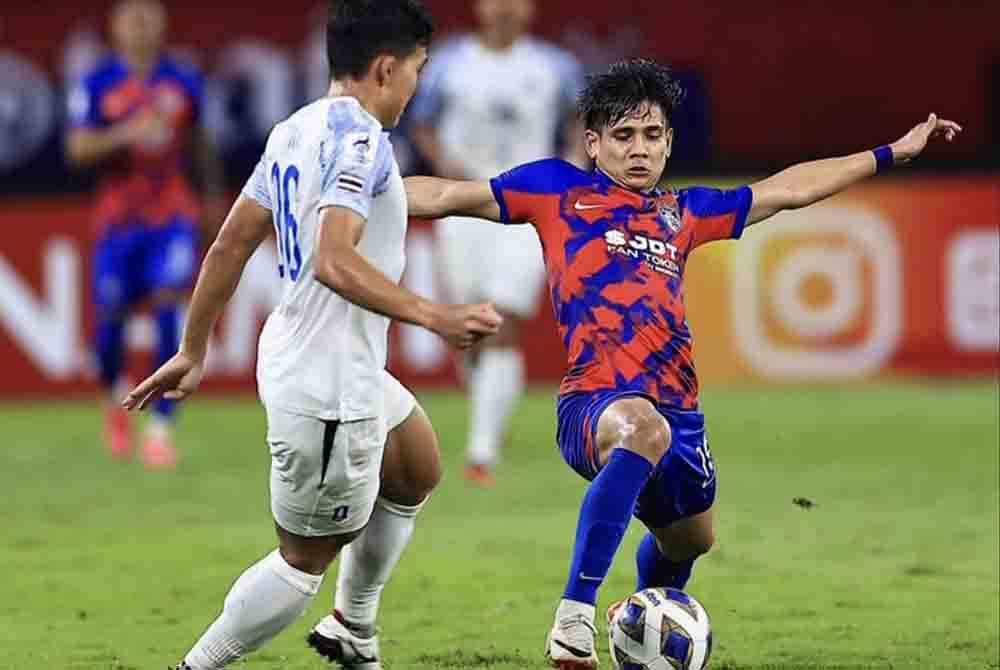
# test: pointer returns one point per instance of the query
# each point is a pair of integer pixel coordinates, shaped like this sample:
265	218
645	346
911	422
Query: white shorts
399	401
490	261
325	474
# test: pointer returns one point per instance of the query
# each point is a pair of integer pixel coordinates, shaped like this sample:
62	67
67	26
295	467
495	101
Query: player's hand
910	145
175	380
147	130
464	325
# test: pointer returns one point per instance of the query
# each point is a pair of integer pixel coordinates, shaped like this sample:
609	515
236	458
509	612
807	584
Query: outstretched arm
807	183
244	229
432	198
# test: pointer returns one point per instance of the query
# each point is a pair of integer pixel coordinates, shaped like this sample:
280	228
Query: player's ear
669	137
591	140
383	66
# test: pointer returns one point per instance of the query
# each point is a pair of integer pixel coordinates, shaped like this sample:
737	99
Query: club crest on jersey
668	215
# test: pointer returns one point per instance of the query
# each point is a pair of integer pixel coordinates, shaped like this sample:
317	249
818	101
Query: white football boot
570	644
338	643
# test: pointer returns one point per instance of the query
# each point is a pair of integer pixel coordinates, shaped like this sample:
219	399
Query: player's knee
647	434
316	555
685	544
702	542
635	425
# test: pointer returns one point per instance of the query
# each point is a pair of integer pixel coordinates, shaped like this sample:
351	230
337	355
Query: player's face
401	76
139	26
634	151
509	18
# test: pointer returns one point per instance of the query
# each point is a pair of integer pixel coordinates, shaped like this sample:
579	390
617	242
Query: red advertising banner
899	276
785	80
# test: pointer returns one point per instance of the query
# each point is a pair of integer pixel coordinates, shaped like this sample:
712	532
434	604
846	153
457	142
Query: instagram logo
816	293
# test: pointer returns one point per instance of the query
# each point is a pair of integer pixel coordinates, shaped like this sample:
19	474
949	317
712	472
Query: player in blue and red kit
615	247
136	117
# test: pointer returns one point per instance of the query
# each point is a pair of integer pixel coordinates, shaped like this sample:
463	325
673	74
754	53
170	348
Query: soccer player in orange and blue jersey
615	247
136	117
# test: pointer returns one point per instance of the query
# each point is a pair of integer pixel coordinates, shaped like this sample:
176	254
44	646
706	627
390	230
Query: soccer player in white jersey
329	186
489	101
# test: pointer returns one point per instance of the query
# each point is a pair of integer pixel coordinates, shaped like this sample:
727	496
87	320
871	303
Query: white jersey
494	110
319	354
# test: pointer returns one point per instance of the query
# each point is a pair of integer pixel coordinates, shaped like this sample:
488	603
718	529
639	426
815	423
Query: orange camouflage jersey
615	263
144	183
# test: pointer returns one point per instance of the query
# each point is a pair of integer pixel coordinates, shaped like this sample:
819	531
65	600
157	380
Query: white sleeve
352	159
571	78
256	186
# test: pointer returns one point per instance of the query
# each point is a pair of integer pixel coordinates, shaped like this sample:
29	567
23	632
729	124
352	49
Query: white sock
494	391
367	563
265	599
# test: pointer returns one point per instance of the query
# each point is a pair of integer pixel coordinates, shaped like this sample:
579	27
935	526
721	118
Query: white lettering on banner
973	290
422	350
869	237
48	329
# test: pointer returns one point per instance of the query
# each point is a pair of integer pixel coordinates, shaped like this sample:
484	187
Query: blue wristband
883	158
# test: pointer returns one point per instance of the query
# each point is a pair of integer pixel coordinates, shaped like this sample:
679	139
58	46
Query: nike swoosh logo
582	207
590	579
579	653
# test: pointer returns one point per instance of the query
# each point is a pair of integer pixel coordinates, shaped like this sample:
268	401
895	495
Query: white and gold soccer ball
660	629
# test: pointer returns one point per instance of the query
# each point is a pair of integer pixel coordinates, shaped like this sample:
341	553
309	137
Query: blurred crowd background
900	276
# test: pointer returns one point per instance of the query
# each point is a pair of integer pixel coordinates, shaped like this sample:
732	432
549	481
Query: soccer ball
660	629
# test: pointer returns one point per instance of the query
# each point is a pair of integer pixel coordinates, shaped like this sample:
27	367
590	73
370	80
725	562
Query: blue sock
109	343
655	569
168	328
604	515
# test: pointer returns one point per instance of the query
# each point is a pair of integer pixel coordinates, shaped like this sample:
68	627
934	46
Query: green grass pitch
106	566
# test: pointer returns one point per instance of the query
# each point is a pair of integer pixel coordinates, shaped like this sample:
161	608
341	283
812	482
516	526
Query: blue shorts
132	261
683	482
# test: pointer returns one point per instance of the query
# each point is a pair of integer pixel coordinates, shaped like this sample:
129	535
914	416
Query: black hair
359	30
611	96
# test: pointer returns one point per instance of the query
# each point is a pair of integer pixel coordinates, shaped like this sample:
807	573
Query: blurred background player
491	100
136	118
